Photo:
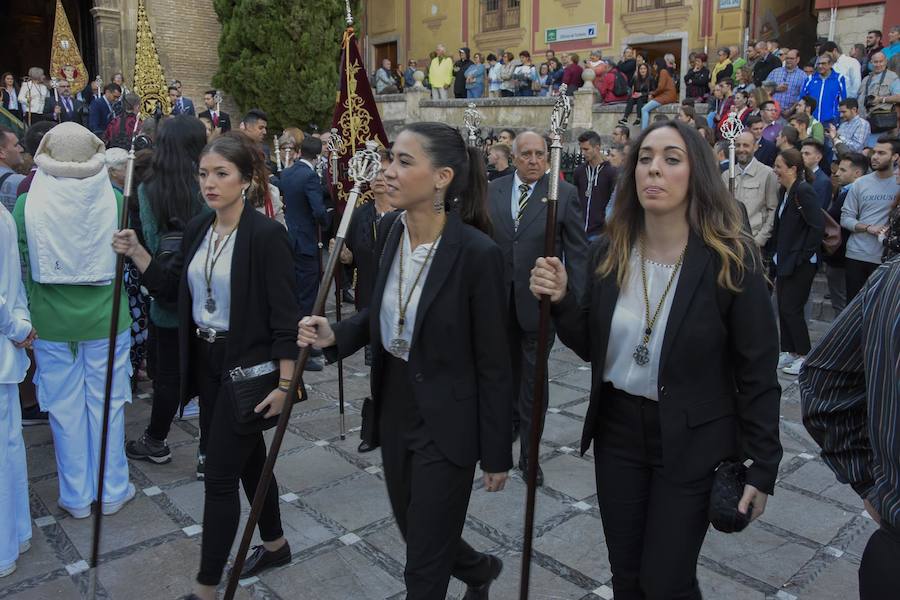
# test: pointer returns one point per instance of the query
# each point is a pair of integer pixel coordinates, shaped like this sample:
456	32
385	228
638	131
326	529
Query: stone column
108	22
583	107
413	97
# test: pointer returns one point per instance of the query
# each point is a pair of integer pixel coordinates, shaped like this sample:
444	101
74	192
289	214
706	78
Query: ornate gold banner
149	79
65	59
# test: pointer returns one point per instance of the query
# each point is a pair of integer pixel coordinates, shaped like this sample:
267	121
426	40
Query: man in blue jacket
828	87
304	210
101	111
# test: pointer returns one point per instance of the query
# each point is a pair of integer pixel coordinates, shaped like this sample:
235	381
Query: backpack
121	139
169	256
620	84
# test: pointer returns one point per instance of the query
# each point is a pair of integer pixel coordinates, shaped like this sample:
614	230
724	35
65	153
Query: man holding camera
879	93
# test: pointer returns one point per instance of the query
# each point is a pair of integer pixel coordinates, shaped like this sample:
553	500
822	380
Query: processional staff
336	148
277	153
110	363
559	121
731	129
363	167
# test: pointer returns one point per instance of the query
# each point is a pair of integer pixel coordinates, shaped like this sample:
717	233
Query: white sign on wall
575	32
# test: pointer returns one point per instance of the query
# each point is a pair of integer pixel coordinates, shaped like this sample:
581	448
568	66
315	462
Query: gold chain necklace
642	352
399	345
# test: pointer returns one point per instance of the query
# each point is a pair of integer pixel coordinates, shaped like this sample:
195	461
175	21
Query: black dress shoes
524	468
261	559
365	446
480	592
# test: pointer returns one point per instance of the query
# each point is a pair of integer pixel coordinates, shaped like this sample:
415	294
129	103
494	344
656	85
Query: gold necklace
399	345
642	352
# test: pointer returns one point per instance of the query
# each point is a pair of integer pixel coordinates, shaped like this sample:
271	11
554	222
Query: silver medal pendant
210	304
641	354
399	347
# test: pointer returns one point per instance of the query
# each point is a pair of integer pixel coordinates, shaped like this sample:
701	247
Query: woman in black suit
796	238
237	263
441	379
682	341
9	95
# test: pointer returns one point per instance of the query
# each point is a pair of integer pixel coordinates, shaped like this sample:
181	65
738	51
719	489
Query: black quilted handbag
727	489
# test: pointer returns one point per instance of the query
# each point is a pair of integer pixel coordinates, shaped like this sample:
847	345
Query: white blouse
220	283
413	260
629	323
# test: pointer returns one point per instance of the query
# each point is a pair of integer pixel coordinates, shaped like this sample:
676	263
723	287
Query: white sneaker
77	513
191	409
111	508
7	571
24	546
785	359
794	367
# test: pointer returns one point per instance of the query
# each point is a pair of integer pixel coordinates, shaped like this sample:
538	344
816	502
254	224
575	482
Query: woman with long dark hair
9	94
167	201
236	318
441	380
796	237
641	86
674	273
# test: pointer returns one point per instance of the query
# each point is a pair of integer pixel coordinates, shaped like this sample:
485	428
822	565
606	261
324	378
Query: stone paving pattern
345	546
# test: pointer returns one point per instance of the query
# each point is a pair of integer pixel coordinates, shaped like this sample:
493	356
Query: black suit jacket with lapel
459	369
521	247
263	318
798	230
224	119
718	389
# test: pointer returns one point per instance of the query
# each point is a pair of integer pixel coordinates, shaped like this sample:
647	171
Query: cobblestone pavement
337	518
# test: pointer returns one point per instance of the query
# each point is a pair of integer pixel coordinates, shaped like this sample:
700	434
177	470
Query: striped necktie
524	189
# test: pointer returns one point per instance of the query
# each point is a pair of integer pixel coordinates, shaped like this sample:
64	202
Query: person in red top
664	94
119	134
572	75
607	87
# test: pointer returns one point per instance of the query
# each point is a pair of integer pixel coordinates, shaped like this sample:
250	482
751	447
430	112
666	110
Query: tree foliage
281	56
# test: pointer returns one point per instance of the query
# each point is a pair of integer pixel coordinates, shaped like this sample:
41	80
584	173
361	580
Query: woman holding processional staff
441	381
682	341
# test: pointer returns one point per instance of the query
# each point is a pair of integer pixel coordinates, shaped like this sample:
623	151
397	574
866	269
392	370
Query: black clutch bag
727	489
249	387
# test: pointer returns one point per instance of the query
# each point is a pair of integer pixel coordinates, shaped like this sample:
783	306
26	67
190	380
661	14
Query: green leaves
281	56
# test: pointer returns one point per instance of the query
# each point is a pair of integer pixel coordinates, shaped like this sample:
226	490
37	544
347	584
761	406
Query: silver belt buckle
208	335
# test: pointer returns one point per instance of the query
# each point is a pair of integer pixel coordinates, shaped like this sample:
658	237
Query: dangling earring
438	202
244	193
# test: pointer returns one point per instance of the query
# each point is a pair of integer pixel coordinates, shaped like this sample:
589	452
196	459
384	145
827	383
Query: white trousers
70	381
15	515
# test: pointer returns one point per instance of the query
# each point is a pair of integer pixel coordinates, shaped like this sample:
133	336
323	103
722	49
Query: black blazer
799	228
224	119
522	246
263	321
459	369
718	388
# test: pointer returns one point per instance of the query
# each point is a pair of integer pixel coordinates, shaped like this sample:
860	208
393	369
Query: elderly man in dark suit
101	111
304	210
65	108
518	212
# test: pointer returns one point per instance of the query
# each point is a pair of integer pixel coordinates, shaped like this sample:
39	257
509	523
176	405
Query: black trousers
229	457
856	273
429	495
630	104
523	355
792	292
879	577
166	397
654	526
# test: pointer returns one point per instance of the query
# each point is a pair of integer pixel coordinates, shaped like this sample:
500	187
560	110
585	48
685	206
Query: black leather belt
211	336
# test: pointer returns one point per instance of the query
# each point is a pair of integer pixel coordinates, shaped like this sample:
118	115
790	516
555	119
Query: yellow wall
429	27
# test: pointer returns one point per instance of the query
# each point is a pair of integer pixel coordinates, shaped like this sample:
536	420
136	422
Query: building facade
407	29
186	33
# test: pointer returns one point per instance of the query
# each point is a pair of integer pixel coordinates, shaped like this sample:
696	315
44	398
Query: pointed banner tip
349	14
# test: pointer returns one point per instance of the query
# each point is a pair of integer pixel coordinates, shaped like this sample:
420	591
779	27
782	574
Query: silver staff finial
732	127
336	148
365	164
349	14
562	110
472	120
